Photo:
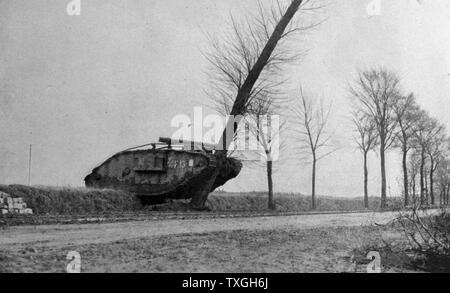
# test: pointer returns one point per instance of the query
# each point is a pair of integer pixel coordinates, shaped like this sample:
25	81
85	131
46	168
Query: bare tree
406	112
266	126
425	130
436	150
366	140
312	118
427	233
376	92
443	174
420	132
426	172
244	64
413	171
249	60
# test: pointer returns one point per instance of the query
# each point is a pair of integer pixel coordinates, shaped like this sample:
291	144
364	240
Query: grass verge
82	201
73	201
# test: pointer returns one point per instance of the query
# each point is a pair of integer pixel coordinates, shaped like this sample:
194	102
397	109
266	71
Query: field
291	202
244	251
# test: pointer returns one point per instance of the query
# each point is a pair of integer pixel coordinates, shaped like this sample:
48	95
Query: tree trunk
366	175
405	175
422	183
270	185
313	186
447	194
425	176
200	195
255	72
444	192
383	176
432	183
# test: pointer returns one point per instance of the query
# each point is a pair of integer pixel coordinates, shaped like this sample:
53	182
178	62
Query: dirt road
63	235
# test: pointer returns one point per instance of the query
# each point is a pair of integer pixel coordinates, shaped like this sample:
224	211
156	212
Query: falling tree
256	60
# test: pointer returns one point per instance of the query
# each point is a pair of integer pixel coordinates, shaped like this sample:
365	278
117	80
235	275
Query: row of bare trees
247	79
384	118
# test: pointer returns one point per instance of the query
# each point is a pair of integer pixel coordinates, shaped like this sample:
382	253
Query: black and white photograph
225	141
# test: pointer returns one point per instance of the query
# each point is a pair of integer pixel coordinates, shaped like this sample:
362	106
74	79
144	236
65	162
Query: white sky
81	88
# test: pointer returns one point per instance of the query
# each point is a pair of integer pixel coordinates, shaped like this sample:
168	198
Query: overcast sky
81	88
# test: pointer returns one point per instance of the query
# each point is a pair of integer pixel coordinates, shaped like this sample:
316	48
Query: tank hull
161	174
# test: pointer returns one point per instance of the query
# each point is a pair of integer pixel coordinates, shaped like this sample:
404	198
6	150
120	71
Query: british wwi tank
163	170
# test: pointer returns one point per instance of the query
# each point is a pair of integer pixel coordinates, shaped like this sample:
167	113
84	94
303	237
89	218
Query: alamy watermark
73	8
253	137
374	267
374	8
74	265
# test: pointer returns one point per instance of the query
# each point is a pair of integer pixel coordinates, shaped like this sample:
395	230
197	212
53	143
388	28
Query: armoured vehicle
169	173
163	170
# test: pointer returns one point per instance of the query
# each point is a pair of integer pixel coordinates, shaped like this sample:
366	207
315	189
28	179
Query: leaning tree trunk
255	72
366	189
271	203
199	200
